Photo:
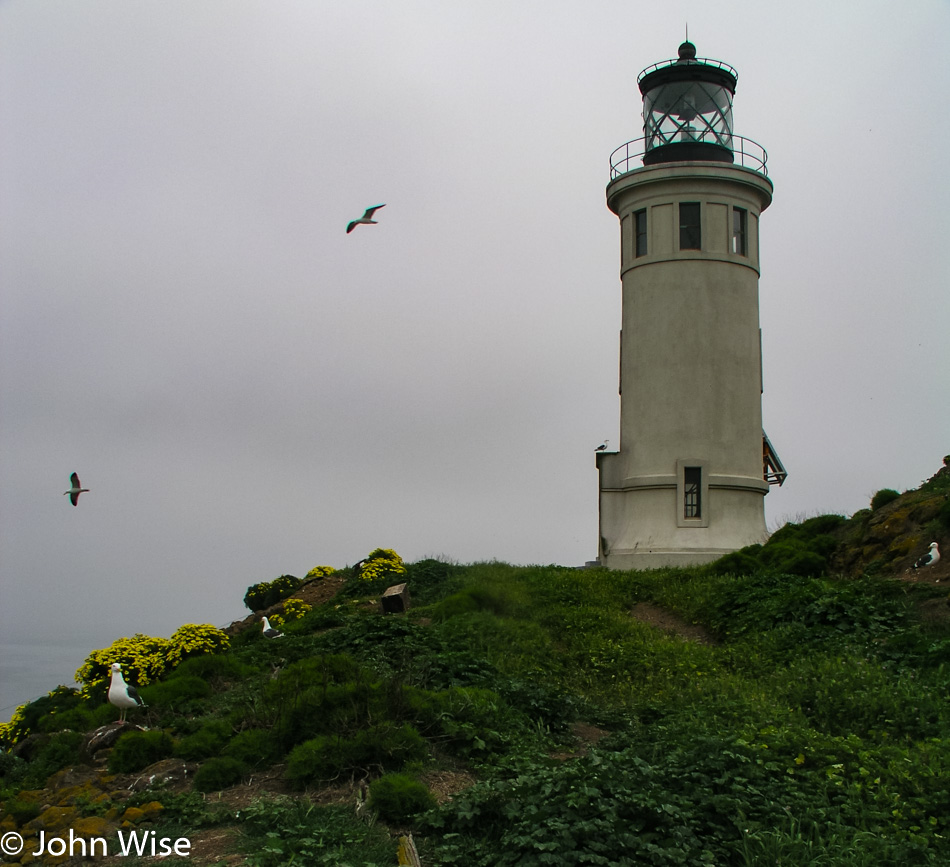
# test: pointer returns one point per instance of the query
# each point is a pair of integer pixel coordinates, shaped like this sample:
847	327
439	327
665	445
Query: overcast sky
249	391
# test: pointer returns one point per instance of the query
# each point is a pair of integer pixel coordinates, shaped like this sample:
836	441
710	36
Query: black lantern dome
687	109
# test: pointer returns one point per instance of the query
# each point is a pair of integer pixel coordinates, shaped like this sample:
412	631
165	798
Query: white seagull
365	220
602	447
75	490
931	558
121	694
269	631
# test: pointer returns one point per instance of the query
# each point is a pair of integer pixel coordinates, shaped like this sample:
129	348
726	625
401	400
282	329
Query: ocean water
30	670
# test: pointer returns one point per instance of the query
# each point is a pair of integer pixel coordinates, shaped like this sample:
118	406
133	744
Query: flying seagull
75	490
269	631
602	447
365	220
931	558
121	694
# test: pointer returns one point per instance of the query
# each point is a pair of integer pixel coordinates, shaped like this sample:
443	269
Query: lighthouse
688	481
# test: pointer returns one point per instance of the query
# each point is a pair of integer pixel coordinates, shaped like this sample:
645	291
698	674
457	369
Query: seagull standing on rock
365	220
269	631
76	489
121	694
931	558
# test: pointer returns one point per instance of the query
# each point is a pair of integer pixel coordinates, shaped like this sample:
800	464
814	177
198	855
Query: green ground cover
811	728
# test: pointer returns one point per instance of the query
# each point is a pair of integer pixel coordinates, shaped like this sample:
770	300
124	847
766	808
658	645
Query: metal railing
696	61
746	153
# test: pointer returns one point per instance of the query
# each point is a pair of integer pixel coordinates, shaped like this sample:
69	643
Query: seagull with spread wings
365	220
75	490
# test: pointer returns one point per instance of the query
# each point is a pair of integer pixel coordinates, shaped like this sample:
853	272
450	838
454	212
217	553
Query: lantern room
687	109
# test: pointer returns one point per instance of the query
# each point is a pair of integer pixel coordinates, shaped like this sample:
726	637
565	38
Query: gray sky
248	391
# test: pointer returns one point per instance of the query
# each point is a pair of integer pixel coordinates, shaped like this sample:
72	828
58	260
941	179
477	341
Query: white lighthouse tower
688	482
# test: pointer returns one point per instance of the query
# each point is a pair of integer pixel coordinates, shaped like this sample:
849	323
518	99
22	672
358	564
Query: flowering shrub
320	572
294	609
194	639
382	563
59	709
14	731
143	659
267	593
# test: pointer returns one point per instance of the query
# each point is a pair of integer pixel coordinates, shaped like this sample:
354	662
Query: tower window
692	487
739	225
640	221
690	233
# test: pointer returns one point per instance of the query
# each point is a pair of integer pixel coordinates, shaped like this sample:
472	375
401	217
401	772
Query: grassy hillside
787	705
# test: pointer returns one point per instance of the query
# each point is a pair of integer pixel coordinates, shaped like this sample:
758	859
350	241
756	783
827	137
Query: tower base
642	527
661	559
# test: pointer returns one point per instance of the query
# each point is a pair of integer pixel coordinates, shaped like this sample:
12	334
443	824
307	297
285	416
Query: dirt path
673	624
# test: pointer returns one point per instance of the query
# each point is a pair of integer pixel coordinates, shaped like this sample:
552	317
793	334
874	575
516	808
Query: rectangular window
690	233
739	226
640	218
692	488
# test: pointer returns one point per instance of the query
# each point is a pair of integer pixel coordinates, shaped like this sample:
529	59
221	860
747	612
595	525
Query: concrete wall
690	371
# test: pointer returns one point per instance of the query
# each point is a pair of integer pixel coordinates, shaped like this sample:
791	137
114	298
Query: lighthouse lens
692	111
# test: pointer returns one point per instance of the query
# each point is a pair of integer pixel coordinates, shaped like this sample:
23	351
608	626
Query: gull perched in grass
365	220
269	631
121	694
75	490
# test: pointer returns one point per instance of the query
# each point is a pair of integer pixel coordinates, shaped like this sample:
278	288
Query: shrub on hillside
178	693
217	666
803	549
399	798
382	563
294	609
792	558
219	773
742	562
134	751
883	497
319	572
430	579
16	729
208	741
143	658
811	528
36	759
267	593
252	747
943	516
338	708
59	751
326	757
195	639
61	709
